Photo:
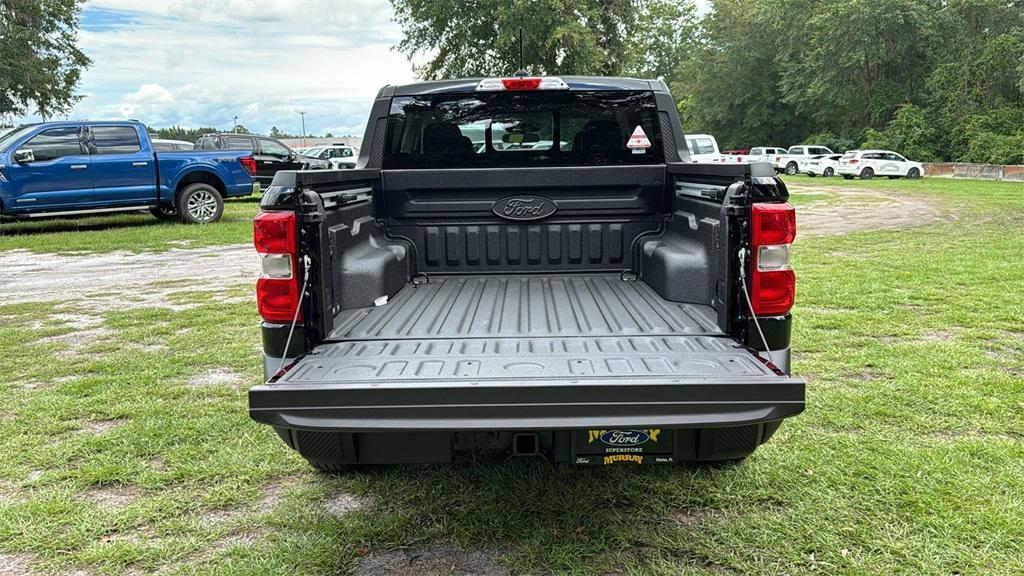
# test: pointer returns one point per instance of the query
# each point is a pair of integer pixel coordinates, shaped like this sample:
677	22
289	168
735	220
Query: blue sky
202	62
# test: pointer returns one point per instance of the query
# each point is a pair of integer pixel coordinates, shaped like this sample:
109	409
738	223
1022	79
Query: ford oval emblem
524	207
625	437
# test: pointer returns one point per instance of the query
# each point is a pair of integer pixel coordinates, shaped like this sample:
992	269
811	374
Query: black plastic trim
547	405
777	332
274	338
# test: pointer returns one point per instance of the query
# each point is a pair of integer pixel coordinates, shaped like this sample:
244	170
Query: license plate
623	446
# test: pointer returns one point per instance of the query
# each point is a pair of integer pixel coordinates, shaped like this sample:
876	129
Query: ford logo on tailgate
625	437
524	207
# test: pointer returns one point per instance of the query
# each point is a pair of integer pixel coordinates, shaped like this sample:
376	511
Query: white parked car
870	163
823	165
795	160
339	155
703	148
772	155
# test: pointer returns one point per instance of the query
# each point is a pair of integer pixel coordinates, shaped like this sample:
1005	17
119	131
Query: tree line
193	134
933	79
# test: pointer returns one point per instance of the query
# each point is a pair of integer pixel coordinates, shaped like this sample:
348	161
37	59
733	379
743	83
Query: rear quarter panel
224	164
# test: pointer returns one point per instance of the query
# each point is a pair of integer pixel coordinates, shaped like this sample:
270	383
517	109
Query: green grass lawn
908	460
131	232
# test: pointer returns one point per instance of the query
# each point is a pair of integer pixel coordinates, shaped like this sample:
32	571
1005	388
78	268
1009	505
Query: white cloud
200	63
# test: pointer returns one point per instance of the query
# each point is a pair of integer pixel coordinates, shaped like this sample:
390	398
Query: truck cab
271	155
703	148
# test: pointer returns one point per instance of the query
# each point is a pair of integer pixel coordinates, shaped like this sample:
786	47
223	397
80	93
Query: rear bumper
554	405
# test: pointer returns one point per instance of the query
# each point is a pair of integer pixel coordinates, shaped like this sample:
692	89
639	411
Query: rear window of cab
522	129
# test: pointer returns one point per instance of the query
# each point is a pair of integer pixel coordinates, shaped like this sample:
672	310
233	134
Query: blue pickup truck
64	168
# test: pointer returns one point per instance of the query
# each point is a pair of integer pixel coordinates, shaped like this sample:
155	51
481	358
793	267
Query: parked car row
809	159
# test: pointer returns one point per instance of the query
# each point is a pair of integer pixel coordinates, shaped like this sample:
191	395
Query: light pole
234	127
303	116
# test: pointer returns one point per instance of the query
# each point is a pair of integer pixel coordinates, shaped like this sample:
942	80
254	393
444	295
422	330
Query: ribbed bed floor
519	306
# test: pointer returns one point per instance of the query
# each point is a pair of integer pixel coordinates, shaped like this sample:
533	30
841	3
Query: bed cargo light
521	83
774	283
277	290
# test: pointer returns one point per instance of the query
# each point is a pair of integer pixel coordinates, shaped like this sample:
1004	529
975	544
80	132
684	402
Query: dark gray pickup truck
529	265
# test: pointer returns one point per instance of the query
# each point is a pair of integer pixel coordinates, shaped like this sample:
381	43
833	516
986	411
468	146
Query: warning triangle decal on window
638	141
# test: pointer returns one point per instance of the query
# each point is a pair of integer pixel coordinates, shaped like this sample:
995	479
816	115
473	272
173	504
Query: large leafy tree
731	84
975	90
481	37
40	63
849	65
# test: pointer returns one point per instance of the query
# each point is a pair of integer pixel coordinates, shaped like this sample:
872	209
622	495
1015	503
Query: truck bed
506	329
467	307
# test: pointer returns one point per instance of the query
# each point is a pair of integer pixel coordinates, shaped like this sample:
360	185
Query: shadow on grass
539	514
18	227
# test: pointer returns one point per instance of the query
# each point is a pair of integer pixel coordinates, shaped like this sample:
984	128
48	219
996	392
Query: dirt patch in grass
856	210
10	495
216	377
74	342
147	348
101	426
342	503
273	493
15	564
865	376
112	497
216	548
76	321
937	336
430	560
104	281
959	435
695	516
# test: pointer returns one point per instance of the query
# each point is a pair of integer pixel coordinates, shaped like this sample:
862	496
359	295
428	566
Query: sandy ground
856	210
121	279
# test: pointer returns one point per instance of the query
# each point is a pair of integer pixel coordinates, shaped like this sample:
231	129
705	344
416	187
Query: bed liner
557	305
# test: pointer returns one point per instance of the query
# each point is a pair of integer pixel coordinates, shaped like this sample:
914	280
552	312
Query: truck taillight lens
249	163
277	290
773	228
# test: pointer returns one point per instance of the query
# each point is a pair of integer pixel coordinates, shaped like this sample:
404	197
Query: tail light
249	163
277	290
773	228
853	161
521	83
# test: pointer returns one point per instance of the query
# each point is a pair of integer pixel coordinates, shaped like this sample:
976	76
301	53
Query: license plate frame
605	447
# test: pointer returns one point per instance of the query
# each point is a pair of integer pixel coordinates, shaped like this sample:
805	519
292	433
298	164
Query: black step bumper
527	404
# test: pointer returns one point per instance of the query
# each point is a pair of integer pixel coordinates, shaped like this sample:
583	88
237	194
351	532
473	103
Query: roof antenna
522	71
